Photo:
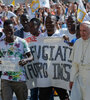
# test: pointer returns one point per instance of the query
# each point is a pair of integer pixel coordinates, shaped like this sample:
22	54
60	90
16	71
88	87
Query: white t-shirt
56	34
9	14
67	33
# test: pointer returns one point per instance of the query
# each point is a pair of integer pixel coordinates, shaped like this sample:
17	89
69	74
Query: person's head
71	24
8	29
60	10
47	10
11	7
4	18
85	30
14	20
40	10
75	6
50	24
34	25
5	8
24	20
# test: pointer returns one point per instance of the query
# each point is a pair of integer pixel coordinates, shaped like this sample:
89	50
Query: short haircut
7	22
25	15
56	18
36	21
70	19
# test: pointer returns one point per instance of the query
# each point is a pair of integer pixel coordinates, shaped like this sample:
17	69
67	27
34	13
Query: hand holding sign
23	62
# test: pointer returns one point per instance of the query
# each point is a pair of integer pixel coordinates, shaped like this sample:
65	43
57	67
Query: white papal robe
80	72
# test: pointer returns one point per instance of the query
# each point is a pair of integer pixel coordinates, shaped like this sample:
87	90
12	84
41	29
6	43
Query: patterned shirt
14	50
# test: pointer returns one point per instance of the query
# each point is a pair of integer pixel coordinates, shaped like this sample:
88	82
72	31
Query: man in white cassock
80	71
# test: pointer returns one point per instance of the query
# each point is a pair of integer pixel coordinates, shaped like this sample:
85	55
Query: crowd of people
60	20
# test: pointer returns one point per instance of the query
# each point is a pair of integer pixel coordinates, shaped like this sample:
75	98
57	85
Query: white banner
51	65
9	64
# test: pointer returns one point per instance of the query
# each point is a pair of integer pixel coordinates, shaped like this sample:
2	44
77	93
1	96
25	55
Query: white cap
86	22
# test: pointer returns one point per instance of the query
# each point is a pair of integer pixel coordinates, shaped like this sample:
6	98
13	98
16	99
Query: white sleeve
75	67
74	71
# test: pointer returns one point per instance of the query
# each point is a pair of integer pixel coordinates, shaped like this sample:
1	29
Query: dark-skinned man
14	49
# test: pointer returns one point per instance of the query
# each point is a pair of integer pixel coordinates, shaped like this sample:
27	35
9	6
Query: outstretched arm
28	58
